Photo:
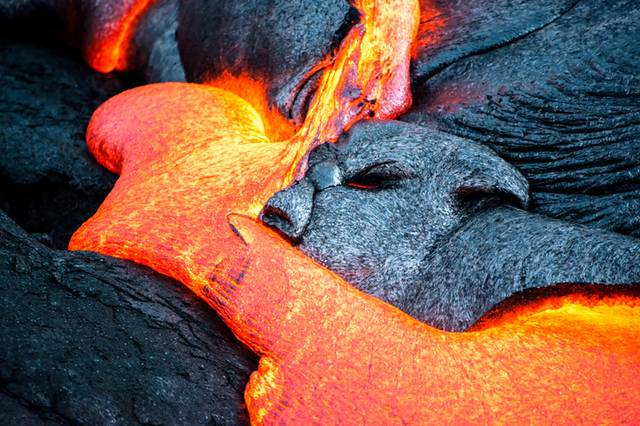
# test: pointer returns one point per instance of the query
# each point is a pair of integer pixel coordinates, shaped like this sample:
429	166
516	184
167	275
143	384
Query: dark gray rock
277	42
85	338
562	104
49	182
552	86
155	53
451	30
90	339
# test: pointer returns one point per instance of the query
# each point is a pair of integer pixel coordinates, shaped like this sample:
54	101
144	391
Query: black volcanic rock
561	104
91	339
86	338
49	182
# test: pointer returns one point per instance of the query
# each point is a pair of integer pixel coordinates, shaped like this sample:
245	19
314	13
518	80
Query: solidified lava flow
197	164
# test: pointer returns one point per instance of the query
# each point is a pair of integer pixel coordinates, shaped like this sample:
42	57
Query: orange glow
192	154
431	29
276	127
332	354
193	157
559	297
108	29
368	78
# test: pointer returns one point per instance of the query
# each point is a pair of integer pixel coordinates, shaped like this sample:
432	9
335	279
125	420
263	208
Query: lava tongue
369	76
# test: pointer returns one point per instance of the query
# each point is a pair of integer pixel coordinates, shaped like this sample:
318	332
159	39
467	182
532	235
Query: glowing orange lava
193	157
196	166
521	307
369	77
108	28
276	127
192	154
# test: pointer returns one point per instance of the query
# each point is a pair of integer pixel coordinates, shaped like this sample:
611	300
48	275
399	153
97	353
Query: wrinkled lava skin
560	103
195	169
442	230
541	362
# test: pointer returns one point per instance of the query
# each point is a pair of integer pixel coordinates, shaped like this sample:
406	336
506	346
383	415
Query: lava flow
196	166
369	75
108	27
191	157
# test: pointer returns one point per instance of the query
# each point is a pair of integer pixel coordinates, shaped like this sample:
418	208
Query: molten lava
196	166
193	157
276	127
369	77
108	27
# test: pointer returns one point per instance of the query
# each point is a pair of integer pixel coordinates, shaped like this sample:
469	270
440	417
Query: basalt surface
561	104
89	339
50	183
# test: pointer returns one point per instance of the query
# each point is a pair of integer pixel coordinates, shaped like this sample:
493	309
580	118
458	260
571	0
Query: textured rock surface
441	230
280	43
88	339
551	86
91	339
50	183
561	104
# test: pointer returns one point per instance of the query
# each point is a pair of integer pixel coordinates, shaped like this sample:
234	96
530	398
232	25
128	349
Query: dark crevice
351	19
